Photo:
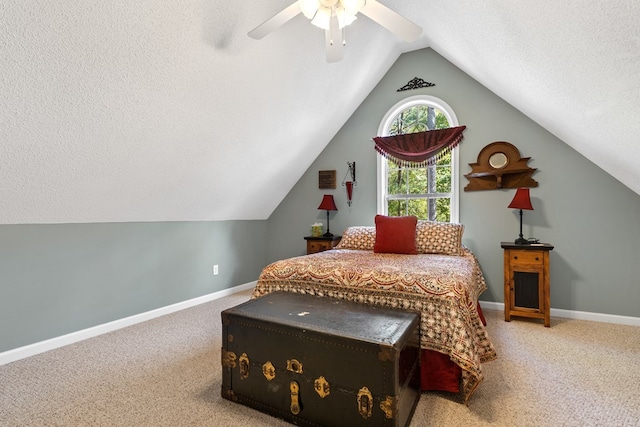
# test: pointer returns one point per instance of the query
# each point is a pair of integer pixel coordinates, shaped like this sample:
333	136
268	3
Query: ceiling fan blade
392	21
275	21
333	38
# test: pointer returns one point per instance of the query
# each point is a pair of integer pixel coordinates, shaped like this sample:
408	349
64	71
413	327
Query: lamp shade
328	204
521	200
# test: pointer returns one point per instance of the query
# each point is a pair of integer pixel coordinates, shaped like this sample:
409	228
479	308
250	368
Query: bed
407	264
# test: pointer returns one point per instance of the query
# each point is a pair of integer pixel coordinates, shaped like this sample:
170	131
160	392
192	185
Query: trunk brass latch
365	402
228	358
322	387
295	404
269	371
294	366
387	407
244	366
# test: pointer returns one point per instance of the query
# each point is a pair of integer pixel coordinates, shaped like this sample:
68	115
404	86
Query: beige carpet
166	372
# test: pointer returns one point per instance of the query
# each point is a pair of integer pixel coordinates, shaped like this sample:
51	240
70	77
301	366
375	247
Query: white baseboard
53	343
578	315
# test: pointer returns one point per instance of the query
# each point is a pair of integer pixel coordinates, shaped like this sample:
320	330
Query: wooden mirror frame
500	165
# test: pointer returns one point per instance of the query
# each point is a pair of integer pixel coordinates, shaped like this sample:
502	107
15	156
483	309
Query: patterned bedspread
443	288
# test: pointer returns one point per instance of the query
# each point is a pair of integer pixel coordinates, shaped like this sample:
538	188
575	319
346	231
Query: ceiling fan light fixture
352	7
334	16
321	11
322	18
309	7
345	18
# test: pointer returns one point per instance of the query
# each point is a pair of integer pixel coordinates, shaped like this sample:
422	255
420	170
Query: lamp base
521	241
327	234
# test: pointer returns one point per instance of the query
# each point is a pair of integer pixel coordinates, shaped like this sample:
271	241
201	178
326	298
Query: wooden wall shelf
500	165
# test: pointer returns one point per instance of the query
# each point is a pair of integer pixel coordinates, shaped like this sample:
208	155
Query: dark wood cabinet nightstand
319	244
526	281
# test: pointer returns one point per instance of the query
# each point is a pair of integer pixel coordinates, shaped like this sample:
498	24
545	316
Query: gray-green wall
58	279
590	217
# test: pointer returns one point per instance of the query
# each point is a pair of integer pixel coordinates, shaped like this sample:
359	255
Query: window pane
443	179
414	119
441	120
418	207
397	182
444	160
443	209
396	207
418	181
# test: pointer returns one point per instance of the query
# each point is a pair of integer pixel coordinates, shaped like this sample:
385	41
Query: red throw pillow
395	234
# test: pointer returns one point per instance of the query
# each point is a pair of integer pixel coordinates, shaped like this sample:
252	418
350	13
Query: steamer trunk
321	361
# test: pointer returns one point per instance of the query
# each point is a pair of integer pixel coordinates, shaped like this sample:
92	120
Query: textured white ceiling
167	111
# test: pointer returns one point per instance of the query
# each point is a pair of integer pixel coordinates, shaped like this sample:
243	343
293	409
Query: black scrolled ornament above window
415	83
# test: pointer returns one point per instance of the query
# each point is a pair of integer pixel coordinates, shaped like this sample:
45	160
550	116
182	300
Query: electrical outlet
215	269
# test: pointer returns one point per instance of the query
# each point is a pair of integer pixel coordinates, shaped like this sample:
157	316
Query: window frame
412	101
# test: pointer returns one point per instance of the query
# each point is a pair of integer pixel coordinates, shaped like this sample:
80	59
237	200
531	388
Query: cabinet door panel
526	292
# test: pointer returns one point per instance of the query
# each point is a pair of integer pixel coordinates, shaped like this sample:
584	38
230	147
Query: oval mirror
498	160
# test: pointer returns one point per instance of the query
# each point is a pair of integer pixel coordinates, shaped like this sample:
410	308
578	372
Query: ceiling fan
334	15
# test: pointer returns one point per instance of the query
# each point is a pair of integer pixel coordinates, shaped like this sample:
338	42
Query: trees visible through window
426	192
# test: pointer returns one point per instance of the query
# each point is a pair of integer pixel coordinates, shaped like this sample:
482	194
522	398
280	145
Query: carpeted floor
166	372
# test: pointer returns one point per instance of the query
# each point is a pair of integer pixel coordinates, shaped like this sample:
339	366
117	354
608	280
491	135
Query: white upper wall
167	111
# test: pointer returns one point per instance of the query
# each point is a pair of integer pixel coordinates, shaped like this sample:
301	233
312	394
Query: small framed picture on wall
327	180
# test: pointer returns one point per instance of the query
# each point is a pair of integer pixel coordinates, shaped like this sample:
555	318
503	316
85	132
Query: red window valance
420	148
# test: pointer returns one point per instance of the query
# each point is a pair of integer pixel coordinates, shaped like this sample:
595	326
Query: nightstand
526	281
319	244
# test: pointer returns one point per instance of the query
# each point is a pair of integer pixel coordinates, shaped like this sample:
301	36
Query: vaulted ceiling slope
163	111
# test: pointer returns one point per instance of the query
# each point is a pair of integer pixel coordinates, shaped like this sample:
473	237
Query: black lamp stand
328	233
521	240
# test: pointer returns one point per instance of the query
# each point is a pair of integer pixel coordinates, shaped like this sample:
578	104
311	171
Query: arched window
429	192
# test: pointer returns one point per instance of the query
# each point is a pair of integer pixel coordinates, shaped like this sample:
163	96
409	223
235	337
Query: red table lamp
521	201
328	204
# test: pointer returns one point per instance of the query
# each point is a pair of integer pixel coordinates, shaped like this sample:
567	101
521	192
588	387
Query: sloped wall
589	216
